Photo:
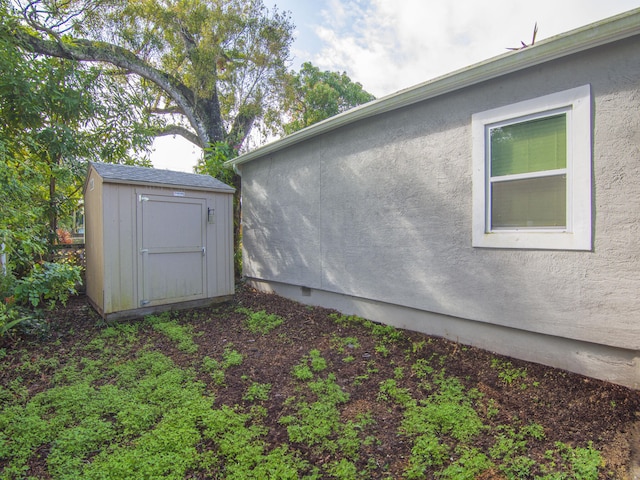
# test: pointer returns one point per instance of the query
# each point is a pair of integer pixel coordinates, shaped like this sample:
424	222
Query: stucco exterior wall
382	210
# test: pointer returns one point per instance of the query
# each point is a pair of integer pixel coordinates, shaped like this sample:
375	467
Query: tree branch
183	132
167	111
240	129
95	51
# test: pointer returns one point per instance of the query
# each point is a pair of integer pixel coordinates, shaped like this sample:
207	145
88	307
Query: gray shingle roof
126	173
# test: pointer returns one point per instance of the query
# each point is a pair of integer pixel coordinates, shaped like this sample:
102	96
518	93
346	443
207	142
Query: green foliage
507	372
314	362
123	333
518	467
50	283
12	317
318	363
128	411
213	368
213	162
386	334
260	322
313	96
216	369
302	372
371	369
581	463
240	452
389	390
79	419
55	118
509	447
317	423
231	357
492	409
346	320
427	452
468	466
181	334
343	469
47	284
343	343
257	391
450	411
221	64
422	368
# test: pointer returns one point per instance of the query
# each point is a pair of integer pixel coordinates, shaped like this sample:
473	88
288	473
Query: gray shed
156	240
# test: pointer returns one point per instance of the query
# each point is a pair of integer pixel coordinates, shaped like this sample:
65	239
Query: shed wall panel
94	240
119	248
220	244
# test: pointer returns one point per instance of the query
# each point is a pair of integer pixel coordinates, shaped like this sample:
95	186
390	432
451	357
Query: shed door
171	245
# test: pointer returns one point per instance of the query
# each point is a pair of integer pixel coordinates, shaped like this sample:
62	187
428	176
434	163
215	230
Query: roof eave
584	38
167	185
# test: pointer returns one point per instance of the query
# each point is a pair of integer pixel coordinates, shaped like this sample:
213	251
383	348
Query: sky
389	45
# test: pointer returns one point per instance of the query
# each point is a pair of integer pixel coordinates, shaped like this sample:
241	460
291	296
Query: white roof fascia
584	38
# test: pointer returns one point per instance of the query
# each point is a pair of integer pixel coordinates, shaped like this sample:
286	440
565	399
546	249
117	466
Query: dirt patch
572	409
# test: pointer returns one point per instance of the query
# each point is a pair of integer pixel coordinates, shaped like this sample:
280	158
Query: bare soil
572	409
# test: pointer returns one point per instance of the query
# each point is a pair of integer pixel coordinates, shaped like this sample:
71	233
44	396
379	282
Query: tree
213	65
55	118
313	96
212	69
216	67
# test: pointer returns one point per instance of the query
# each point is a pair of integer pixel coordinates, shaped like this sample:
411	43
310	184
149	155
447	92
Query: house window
532	173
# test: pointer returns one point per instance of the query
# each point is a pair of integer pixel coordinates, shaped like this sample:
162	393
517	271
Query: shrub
50	283
10	317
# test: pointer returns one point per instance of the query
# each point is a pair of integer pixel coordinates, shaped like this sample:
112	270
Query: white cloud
388	45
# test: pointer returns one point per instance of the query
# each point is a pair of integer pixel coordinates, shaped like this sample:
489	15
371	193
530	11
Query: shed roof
114	173
600	33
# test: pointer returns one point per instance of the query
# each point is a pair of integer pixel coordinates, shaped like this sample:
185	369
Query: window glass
532	146
531	203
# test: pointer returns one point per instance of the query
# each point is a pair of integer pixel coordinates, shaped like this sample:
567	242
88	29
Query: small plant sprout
308	365
260	322
231	357
343	344
507	373
257	391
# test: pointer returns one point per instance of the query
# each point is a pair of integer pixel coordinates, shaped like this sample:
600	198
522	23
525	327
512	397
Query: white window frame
576	103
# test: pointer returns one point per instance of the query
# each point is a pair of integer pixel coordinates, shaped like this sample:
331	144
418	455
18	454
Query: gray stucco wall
382	210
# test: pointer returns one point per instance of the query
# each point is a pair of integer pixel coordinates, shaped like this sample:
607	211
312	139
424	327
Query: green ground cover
161	398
